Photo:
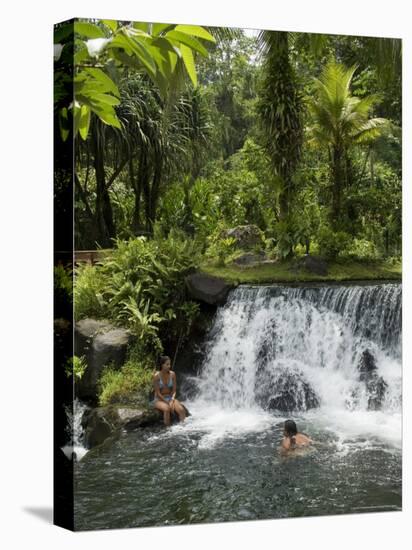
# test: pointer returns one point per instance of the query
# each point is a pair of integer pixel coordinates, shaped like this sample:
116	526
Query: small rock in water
375	385
287	392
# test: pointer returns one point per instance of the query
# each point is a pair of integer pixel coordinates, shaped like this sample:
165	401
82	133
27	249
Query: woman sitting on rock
164	382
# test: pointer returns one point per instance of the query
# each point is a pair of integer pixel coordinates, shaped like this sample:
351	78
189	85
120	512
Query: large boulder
207	288
103	422
246	236
101	343
85	330
286	392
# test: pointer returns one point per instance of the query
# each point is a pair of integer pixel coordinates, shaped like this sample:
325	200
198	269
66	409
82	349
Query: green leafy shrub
129	385
332	243
174	213
63	279
362	249
288	234
89	284
63	291
141	286
76	366
394	260
220	249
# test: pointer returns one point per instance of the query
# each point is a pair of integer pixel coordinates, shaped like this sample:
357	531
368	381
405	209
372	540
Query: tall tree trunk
337	173
372	168
147	198
137	185
103	213
283	205
154	193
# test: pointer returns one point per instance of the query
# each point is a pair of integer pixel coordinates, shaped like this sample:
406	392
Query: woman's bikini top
169	384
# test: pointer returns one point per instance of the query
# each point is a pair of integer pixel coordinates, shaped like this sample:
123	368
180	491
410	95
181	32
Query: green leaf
139	48
119	41
76	116
111	23
88	29
125	59
195	30
105	98
106	81
190	42
189	62
136	46
131	31
165	56
81	55
84	122
64	123
160	27
141	26
106	115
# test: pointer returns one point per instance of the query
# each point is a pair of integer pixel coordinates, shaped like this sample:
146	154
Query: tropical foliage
280	109
341	121
140	285
101	49
130	384
183	132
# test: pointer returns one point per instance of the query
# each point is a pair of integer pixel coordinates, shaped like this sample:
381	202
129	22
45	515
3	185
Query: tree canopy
199	129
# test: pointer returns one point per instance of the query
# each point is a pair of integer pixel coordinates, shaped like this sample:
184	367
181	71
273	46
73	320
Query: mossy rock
103	422
246	236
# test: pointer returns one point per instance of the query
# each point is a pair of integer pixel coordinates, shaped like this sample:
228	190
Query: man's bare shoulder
302	439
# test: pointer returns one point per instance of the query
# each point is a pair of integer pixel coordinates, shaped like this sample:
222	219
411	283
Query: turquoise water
183	476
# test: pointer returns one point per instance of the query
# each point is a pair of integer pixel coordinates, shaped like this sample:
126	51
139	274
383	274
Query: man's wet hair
290	428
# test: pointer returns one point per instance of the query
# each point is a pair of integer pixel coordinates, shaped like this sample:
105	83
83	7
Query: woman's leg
164	407
180	410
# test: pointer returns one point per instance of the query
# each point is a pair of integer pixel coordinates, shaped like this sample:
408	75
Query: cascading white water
301	350
75	431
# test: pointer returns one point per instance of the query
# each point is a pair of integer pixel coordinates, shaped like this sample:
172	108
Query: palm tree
163	138
341	121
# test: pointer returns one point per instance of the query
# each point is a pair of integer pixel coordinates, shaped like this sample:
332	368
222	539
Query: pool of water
223	465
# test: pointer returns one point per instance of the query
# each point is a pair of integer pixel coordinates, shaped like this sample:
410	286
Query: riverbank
286	272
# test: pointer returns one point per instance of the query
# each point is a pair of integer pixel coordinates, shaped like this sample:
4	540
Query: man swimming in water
292	439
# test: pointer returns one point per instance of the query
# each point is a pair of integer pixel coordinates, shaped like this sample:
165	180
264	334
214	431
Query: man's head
290	428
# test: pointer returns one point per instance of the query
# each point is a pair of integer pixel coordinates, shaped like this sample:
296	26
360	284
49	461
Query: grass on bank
284	272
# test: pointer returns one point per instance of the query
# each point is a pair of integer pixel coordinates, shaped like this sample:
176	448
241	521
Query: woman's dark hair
163	359
290	428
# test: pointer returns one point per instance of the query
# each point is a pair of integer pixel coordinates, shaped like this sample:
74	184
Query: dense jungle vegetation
183	132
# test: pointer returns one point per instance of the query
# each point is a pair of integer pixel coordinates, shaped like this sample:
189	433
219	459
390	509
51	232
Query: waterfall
74	430
292	350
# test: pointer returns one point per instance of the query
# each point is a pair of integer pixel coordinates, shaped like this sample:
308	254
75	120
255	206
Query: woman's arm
174	385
